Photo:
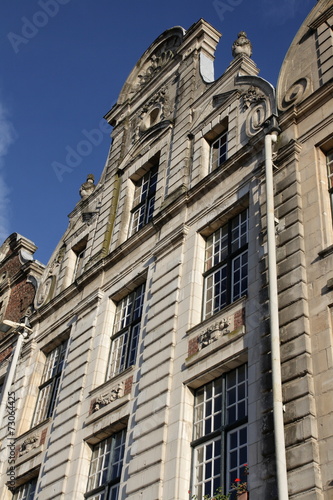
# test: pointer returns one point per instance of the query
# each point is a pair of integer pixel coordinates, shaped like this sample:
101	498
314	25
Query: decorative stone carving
256	118
87	187
252	95
242	45
105	399
28	444
154	111
295	93
213	333
46	288
163	54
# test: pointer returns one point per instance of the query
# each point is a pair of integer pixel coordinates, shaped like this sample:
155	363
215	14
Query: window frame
48	389
223	262
126	331
329	170
20	494
79	251
222	144
104	479
144	199
217	458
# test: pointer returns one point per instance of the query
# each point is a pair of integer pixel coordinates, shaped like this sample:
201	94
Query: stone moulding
112	395
217	330
213	333
28	444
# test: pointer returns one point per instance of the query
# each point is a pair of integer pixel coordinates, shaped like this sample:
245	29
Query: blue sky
63	65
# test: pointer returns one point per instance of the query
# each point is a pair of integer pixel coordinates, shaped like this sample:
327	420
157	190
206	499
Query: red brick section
21	297
43	437
128	385
239	318
193	346
11	267
5	354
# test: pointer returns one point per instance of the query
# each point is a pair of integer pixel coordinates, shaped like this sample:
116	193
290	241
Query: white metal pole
10	375
280	449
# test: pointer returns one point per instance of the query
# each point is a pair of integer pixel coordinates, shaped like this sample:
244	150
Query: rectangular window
329	162
218	151
220	434
49	388
26	491
126	331
144	200
226	265
105	468
79	255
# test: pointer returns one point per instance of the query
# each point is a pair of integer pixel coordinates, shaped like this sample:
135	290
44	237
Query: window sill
215	345
31	443
109	408
326	251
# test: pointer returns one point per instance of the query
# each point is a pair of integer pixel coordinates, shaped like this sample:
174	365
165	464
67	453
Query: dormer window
218	151
80	253
144	200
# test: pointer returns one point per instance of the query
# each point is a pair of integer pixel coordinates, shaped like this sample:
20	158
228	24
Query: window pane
26	491
106	465
118	353
239	275
127	321
229	264
214	411
236	454
207	468
218	151
144	200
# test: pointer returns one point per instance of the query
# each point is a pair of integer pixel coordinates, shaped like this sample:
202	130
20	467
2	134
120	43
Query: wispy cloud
7	137
284	10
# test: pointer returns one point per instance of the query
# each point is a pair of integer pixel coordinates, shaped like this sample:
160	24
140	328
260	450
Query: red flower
237	480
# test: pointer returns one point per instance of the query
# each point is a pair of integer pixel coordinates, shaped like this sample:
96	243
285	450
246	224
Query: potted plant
240	487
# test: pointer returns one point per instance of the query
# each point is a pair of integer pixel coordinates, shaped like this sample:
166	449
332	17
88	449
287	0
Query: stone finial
242	45
87	187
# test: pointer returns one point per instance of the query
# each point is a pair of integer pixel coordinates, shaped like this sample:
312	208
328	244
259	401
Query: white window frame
224	280
126	331
329	166
220	414
105	468
144	200
50	383
26	491
218	151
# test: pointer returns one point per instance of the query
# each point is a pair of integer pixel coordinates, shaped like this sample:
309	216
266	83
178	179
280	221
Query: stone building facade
149	370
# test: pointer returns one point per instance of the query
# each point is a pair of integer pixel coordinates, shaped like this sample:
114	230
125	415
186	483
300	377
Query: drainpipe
271	130
280	449
21	336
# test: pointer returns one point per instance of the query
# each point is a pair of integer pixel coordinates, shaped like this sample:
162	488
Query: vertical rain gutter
271	130
21	336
